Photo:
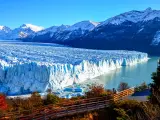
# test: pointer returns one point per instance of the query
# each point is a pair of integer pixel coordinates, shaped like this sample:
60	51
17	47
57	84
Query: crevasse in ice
25	68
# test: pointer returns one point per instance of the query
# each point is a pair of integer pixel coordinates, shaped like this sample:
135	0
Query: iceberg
25	68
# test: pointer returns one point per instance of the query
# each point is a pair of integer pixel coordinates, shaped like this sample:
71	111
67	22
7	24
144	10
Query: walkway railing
123	93
79	106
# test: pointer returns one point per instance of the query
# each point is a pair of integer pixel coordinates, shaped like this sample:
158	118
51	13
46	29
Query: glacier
29	67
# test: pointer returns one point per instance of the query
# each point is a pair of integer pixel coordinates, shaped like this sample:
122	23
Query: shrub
35	100
95	91
142	87
130	110
99	91
108	94
123	86
19	104
122	115
3	104
51	99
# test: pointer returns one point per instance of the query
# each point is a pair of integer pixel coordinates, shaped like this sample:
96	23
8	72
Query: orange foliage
95	91
3	104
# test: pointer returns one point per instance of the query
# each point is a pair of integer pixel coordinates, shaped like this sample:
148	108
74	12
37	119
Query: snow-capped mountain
4	30
63	32
134	30
133	16
31	27
52	29
84	25
23	31
81	30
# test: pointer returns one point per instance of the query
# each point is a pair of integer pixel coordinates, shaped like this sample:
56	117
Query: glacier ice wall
25	68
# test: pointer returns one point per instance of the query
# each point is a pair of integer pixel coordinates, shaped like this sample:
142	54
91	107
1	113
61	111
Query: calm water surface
133	75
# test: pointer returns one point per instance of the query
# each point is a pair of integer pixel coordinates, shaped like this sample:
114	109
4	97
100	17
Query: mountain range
23	31
133	30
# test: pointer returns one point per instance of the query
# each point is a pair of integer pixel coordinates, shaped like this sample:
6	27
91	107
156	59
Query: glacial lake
133	75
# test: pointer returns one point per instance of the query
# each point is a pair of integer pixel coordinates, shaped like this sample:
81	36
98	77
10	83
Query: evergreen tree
155	86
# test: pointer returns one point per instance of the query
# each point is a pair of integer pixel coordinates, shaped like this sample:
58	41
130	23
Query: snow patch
32	27
156	39
83	25
52	30
140	30
1	27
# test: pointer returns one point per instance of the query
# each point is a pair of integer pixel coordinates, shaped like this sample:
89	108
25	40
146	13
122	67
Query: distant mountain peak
148	9
3	27
84	25
32	27
94	23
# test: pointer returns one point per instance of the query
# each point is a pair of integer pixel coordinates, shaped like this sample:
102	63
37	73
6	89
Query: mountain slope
134	30
141	36
133	16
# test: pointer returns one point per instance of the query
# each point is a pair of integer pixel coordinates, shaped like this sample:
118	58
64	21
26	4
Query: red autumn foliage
3	104
95	91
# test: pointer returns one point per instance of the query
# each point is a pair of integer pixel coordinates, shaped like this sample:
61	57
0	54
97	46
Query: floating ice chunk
77	90
68	90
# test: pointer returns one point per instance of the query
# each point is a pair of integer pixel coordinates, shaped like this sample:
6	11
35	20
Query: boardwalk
80	106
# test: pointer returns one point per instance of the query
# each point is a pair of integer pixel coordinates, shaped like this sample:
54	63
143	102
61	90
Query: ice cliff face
26	68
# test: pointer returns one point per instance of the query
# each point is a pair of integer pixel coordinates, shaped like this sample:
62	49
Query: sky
46	13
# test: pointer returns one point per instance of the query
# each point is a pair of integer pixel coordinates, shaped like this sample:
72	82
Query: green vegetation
51	99
155	86
142	87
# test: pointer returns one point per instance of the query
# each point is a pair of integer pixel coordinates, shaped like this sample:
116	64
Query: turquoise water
133	75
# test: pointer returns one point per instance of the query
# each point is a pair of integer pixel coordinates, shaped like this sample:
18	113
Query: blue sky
46	13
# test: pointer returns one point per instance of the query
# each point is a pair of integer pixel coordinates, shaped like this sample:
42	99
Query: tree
35	100
95	91
3	104
123	86
99	91
155	86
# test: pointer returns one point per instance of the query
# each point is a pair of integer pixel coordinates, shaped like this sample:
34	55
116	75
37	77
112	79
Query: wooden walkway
50	112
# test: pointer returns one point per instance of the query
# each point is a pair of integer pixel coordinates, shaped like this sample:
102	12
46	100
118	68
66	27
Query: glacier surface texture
26	67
